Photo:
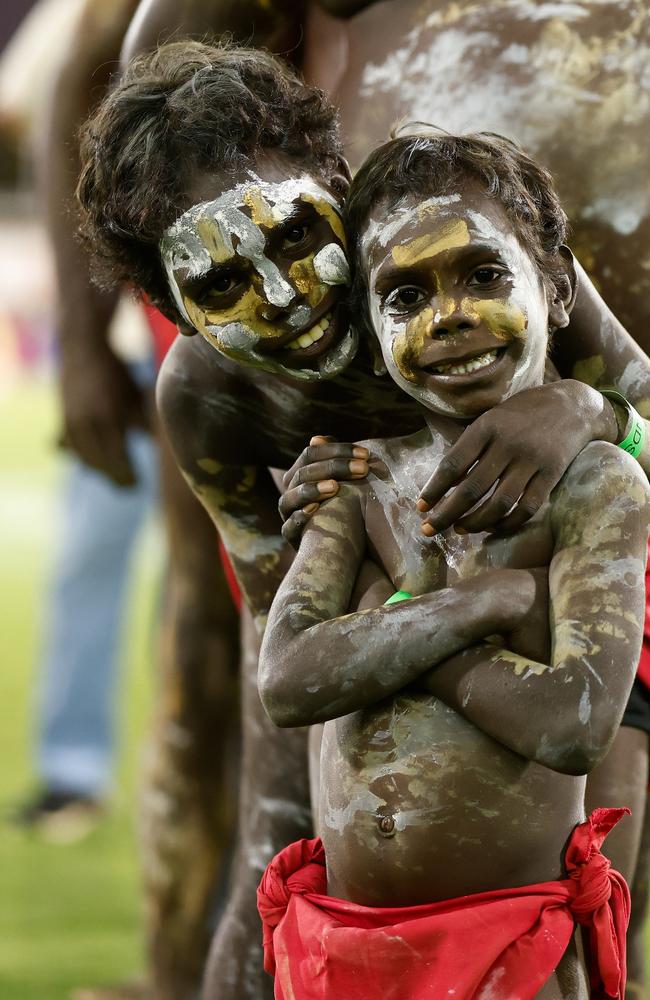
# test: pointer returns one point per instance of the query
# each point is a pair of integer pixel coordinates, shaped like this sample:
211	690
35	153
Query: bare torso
568	80
416	803
400	762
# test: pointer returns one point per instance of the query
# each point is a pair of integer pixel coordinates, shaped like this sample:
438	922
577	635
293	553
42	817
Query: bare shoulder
201	402
602	483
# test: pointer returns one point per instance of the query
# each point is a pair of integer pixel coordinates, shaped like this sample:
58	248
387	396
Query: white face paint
260	271
457	303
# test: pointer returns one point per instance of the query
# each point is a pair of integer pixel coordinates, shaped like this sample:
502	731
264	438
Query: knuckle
530	505
471	489
449	466
503	503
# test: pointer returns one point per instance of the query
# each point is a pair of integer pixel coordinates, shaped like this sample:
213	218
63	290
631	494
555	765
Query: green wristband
634	438
399	595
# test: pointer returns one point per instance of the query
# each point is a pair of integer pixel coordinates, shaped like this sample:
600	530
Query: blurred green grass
70	916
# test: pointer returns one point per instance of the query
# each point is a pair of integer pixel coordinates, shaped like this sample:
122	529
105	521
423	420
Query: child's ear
341	176
564	291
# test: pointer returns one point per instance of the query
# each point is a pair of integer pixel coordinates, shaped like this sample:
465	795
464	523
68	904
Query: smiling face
458	305
260	270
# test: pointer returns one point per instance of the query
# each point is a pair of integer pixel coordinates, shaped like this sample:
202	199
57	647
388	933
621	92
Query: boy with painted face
454	857
258	272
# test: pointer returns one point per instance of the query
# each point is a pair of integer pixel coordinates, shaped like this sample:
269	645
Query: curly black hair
431	162
187	106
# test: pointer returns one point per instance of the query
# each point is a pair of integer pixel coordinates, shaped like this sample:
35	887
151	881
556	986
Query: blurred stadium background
69	912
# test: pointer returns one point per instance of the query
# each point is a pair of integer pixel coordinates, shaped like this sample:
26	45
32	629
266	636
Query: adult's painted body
196	377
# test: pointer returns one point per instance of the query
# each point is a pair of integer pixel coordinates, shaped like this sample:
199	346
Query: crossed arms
319	663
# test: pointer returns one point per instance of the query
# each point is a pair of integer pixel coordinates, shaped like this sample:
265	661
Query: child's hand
525	444
314	477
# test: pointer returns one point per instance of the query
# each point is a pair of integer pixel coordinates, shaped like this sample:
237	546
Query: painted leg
189	794
273	811
622	780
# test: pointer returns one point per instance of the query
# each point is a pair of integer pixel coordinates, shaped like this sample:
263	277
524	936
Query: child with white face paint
460	719
260	272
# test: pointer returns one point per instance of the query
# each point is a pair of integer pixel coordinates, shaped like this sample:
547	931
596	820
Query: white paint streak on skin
339	818
526	294
231	217
633	379
568	80
331	265
584	707
380	233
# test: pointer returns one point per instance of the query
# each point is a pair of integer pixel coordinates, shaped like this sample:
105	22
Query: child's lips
479	360
320	339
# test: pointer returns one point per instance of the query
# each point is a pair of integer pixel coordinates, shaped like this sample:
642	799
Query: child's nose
276	314
454	320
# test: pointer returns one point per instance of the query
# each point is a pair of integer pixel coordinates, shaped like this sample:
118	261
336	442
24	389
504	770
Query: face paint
240	278
460	346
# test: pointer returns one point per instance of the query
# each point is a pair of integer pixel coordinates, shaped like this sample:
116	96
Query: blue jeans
79	670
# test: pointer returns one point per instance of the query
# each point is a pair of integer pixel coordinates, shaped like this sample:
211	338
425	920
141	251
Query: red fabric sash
502	945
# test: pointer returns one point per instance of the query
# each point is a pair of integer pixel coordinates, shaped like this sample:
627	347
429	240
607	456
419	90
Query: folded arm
319	663
564	710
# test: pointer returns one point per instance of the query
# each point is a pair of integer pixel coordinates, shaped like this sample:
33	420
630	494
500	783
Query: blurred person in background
98	521
110	485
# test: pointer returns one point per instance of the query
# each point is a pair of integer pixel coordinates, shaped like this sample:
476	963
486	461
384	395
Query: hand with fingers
314	477
101	401
504	467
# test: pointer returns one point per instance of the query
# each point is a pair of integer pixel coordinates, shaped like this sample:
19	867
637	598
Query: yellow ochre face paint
452	292
243	279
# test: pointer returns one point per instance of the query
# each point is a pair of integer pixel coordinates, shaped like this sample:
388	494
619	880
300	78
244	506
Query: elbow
575	749
278	700
281	712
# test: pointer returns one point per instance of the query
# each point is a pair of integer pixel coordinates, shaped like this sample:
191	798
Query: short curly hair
430	163
186	106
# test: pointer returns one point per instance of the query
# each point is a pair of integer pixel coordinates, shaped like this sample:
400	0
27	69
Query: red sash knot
319	947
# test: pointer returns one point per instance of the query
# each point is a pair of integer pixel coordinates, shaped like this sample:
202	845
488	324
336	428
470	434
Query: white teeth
311	336
482	361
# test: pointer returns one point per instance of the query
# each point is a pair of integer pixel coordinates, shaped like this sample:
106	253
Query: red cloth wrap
503	944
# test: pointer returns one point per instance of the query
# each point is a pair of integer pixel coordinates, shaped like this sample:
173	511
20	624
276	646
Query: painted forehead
456	224
203	235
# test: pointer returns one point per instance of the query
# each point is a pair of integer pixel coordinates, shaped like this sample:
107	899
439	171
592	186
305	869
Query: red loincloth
501	945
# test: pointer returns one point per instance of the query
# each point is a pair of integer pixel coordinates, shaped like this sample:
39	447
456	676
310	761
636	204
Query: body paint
404	335
235	229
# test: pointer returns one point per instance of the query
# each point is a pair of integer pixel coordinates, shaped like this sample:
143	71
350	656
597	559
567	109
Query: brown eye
220	285
485	276
295	235
406	297
223	284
